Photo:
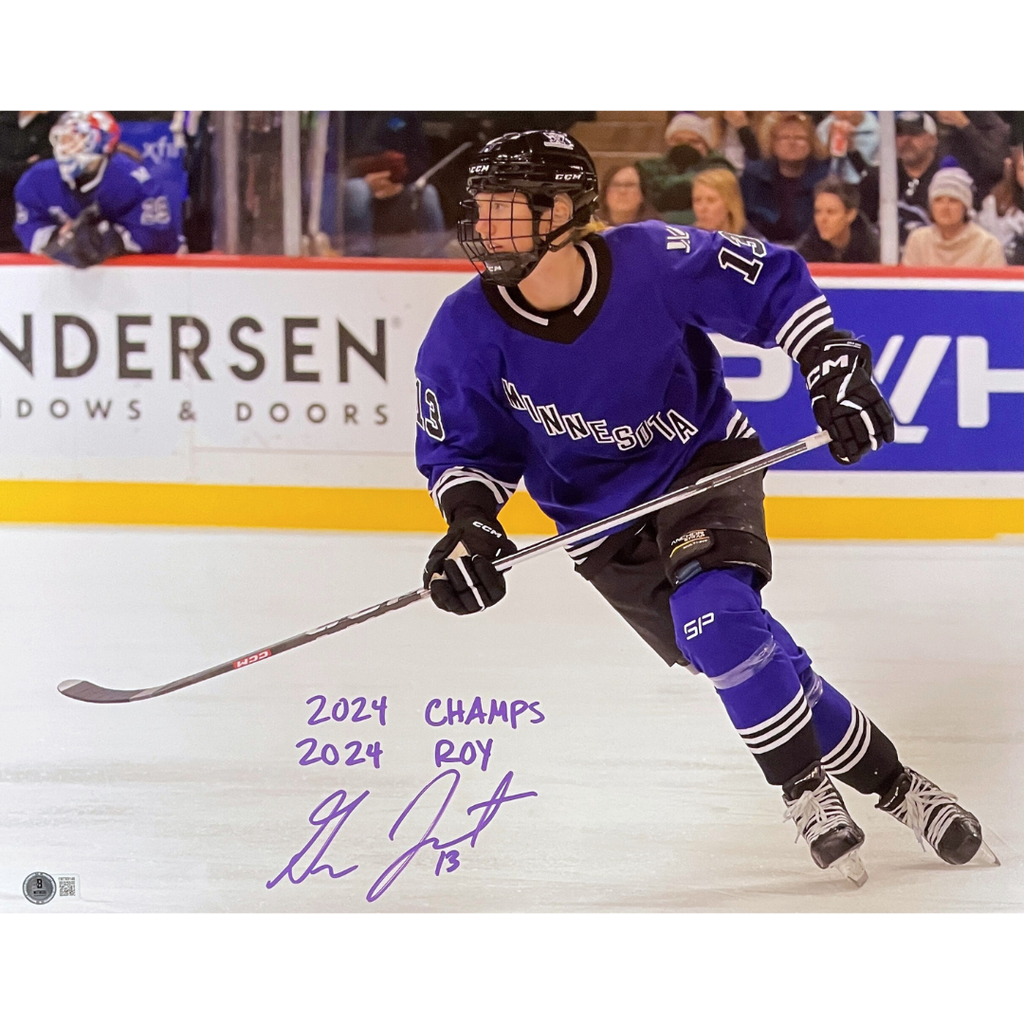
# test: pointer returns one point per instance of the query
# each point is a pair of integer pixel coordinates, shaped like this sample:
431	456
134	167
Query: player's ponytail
594	226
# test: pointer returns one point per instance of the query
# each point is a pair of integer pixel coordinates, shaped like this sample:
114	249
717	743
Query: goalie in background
93	201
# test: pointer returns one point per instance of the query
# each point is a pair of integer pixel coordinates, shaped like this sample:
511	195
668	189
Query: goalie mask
511	193
81	139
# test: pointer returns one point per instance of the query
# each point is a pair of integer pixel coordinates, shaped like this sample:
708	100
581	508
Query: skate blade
851	867
985	855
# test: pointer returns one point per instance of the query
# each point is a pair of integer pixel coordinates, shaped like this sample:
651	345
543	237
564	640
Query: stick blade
82	689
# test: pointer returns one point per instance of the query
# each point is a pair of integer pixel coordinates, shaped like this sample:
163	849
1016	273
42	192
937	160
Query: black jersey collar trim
565	325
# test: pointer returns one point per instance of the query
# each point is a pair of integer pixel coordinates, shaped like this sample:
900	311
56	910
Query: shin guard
723	631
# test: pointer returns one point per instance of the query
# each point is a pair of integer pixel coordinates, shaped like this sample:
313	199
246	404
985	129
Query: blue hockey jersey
598	406
143	210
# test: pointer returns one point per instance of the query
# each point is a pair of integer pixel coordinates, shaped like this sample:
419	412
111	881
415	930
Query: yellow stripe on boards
302	508
325	508
175	504
893	518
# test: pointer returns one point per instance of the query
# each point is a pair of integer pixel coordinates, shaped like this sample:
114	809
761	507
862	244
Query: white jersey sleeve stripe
815	327
459	475
804	323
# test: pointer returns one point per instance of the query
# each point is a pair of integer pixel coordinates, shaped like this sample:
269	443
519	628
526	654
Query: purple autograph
331	814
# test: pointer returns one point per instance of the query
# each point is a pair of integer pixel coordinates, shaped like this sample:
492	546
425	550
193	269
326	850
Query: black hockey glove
845	400
88	240
459	572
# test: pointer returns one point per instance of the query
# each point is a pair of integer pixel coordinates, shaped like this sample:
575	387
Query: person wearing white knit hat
667	181
952	183
689	129
952	239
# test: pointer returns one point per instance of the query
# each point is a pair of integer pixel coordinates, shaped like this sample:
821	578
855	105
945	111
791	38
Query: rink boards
271	392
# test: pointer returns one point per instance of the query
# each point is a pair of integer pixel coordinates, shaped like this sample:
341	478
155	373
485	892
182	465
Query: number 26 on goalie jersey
431	423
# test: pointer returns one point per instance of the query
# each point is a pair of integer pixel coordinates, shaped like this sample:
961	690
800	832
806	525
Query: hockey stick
80	689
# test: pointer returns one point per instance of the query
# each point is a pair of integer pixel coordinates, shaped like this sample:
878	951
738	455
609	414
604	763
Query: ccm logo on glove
825	368
460	571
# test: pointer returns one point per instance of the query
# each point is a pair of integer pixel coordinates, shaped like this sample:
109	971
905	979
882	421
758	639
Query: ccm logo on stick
695	627
242	662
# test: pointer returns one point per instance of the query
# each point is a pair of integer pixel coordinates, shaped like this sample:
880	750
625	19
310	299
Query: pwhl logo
976	380
906	369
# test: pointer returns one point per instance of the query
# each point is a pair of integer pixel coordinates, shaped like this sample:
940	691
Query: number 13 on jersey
431	423
729	260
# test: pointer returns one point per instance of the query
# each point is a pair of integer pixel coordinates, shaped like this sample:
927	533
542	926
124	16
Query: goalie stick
81	689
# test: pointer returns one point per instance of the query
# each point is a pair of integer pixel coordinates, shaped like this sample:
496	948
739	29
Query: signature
331	814
449	855
339	813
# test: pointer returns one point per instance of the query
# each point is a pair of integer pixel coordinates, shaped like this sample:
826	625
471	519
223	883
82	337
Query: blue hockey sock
797	655
855	750
723	631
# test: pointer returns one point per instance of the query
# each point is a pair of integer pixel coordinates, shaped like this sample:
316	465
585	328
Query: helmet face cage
523	164
526	234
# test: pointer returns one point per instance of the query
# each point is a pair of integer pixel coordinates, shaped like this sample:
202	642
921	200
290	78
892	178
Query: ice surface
646	800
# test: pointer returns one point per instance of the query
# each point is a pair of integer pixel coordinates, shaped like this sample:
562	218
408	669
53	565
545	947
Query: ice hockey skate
821	817
936	819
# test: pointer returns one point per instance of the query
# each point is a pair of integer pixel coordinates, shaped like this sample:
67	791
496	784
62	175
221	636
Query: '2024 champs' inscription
435	798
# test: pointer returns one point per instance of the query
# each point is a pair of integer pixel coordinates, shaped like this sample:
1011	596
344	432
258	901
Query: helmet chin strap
568	241
543	244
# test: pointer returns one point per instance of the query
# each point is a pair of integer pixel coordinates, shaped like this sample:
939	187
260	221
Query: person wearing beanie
667	180
687	128
952	239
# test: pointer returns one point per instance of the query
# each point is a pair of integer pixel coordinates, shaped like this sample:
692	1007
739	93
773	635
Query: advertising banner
949	356
253	372
212	375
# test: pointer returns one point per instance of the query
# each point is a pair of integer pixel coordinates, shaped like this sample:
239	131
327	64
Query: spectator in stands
621	200
779	192
24	139
387	153
667	181
733	135
840	233
718	203
1002	210
917	142
952	239
978	141
92	202
851	137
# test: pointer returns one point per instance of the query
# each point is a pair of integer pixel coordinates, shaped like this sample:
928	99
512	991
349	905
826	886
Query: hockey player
581	363
92	202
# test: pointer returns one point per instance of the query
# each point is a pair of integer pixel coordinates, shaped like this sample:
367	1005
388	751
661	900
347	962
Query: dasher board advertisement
271	375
